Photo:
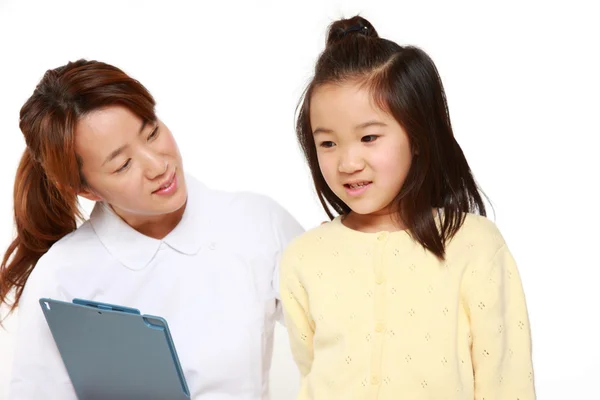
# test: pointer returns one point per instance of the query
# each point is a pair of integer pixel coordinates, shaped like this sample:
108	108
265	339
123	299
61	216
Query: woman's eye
124	166
153	134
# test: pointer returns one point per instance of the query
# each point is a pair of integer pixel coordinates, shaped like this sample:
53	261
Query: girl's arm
297	315
501	338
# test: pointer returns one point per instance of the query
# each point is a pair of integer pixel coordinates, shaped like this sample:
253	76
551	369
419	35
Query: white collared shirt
214	278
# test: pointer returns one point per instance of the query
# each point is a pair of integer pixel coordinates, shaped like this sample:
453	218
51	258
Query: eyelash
124	166
153	134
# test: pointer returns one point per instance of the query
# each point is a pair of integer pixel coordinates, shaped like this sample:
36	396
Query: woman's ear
89	194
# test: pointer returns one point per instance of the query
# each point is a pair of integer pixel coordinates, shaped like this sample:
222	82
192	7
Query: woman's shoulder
247	204
76	248
70	249
255	219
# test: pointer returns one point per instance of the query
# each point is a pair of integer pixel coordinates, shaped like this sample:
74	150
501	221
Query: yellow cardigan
375	316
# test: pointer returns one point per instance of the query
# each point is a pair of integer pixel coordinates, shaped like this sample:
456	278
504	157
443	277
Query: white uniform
214	278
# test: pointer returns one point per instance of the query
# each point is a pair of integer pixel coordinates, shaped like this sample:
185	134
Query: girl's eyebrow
362	126
369	124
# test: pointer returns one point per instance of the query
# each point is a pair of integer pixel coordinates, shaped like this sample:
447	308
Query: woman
157	239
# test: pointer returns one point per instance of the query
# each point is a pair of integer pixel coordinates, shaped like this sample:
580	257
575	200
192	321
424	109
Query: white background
522	81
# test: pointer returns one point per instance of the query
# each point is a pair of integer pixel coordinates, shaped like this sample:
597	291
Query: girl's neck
381	221
375	222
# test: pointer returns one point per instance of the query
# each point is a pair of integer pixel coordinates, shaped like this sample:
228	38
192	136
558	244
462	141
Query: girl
157	239
410	292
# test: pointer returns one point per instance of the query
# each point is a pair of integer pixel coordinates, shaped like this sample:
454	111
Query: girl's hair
49	175
403	81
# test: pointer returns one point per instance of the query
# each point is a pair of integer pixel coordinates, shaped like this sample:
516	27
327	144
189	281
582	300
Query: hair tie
356	28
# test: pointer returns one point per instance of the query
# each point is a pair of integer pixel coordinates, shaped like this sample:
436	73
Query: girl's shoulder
317	236
478	236
479	227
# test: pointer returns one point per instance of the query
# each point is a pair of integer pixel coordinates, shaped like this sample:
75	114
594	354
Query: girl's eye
369	138
327	144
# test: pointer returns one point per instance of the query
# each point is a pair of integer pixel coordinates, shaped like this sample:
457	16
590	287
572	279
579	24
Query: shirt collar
186	238
135	250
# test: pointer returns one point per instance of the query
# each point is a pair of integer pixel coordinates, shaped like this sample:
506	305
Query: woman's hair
49	175
404	82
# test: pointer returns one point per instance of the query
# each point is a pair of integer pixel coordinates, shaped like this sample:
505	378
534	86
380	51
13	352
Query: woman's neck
154	226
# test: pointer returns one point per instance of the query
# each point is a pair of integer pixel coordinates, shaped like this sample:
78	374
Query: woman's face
133	165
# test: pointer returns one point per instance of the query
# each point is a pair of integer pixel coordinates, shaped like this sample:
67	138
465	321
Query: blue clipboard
114	352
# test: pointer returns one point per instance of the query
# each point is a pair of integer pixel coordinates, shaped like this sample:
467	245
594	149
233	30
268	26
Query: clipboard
115	352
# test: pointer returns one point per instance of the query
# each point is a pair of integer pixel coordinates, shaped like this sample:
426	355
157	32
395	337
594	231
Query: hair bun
344	28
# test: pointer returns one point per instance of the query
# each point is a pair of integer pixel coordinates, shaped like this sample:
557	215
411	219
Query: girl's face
134	166
363	152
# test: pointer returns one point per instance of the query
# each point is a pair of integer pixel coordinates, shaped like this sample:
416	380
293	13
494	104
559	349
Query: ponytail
49	176
43	215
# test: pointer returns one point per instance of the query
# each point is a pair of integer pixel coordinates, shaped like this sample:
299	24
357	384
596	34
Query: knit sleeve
500	333
299	324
